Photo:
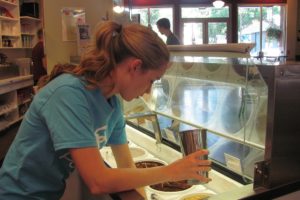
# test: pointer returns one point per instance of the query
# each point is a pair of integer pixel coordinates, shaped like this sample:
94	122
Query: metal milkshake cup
192	141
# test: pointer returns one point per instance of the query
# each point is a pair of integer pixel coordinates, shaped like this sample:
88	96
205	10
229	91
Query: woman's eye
153	81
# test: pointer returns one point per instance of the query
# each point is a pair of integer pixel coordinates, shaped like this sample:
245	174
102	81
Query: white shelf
15	97
15	48
15	83
7	108
8	35
28	34
25	101
27	19
7	124
8	4
5	65
3	18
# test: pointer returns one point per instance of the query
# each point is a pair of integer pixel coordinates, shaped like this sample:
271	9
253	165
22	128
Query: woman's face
140	81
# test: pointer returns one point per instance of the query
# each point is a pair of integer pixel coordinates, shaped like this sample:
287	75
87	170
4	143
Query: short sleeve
118	133
68	118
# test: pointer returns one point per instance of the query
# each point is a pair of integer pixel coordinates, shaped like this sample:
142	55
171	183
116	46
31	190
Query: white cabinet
8	109
10	24
17	31
15	97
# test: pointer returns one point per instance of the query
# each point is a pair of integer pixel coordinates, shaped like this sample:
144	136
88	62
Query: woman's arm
124	159
102	180
122	156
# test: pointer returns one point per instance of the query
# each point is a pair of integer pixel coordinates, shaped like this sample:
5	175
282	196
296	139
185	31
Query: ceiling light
118	9
218	4
118	6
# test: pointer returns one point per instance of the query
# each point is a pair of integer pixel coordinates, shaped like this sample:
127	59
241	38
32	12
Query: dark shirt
172	40
37	59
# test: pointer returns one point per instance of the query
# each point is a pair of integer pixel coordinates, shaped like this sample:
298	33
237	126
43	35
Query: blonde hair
113	43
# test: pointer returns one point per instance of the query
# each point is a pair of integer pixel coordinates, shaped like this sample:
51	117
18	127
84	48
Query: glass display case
221	92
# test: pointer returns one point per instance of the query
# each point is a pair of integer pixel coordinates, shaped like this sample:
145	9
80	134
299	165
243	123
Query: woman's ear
135	65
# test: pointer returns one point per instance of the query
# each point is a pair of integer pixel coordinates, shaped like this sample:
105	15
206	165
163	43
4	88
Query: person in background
39	67
163	26
77	112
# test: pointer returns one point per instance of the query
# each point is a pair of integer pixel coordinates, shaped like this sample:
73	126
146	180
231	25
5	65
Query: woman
77	113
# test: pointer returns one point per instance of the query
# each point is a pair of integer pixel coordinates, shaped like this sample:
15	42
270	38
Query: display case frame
278	83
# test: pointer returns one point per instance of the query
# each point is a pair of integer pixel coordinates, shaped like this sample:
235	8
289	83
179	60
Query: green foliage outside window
274	33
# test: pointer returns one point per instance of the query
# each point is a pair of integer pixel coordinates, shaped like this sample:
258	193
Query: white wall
58	51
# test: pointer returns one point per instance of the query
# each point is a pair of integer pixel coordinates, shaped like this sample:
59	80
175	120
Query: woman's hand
190	167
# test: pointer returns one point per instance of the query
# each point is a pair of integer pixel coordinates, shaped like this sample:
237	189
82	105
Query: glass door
205	32
217	33
204	25
192	33
150	15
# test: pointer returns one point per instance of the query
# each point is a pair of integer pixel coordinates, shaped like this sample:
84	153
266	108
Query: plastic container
137	153
24	66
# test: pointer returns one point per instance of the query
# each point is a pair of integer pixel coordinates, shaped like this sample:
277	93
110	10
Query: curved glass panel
190	100
225	95
236	111
161	90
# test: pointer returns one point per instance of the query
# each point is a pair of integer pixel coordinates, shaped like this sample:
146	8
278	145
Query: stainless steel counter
237	193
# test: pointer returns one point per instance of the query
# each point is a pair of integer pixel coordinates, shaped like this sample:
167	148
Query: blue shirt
63	115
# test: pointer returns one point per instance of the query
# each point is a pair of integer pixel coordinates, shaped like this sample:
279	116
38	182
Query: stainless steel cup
192	141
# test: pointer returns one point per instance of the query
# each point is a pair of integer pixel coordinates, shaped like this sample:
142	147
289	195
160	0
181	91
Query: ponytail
111	44
56	71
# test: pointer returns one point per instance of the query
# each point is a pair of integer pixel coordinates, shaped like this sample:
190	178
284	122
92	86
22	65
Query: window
264	26
149	17
204	12
204	25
